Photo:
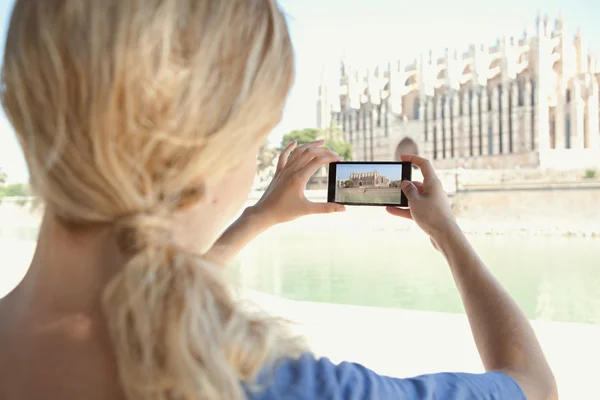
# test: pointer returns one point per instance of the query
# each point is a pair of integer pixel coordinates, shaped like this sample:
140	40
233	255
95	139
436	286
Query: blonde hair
123	109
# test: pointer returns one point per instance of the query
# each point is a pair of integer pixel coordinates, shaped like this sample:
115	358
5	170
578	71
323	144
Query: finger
410	190
420	186
325	208
300	150
424	164
310	155
399	212
285	154
310	168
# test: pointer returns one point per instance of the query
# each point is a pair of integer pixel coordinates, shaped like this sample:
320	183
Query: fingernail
405	184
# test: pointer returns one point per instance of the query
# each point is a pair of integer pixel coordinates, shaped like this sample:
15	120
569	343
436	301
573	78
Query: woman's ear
193	196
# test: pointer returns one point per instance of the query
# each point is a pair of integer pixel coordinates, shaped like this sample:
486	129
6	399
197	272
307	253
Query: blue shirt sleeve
308	378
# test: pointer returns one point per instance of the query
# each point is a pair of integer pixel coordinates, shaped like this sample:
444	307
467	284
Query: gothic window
510	123
371	122
443	128
426	121
568	132
568	95
521	94
350	123
451	129
533	93
470	124
416	107
489	98
586	143
435	142
500	125
442	108
385	120
532	128
490	138
479	109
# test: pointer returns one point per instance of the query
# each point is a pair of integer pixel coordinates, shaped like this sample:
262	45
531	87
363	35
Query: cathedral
531	102
368	179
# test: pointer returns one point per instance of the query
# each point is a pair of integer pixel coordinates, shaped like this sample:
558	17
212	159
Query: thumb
410	190
326	208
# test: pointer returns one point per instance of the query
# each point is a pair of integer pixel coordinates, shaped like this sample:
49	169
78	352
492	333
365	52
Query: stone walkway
403	343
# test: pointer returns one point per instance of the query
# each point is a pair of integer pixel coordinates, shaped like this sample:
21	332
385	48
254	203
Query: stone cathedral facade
531	102
369	179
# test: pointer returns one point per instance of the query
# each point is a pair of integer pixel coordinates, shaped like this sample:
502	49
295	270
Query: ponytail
178	331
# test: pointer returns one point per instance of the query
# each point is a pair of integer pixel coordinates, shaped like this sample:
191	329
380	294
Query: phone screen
368	183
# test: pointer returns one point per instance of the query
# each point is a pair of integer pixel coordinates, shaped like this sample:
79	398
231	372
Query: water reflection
551	278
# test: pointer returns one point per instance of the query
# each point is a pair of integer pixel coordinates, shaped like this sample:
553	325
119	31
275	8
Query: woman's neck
69	270
54	321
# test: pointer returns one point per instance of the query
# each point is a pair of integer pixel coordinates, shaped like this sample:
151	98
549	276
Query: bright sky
392	172
378	30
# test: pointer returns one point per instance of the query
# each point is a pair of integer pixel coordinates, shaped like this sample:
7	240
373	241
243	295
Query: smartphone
368	183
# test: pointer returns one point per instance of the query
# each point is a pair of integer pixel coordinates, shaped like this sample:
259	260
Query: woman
140	122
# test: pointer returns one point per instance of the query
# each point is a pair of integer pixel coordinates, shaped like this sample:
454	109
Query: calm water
551	278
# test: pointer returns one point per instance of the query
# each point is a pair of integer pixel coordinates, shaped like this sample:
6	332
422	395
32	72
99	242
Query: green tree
2	181
300	136
332	135
16	190
334	139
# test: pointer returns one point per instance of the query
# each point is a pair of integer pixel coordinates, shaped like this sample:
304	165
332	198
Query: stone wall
565	211
499	161
507	209
516	177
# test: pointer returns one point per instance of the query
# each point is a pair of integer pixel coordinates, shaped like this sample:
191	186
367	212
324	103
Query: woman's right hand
429	204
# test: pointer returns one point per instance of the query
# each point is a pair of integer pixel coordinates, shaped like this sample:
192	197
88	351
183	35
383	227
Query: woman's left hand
284	199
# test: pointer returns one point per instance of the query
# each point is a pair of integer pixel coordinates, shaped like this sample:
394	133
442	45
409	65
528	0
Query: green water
551	278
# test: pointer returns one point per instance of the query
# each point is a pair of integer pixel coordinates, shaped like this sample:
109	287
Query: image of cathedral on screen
365	180
522	102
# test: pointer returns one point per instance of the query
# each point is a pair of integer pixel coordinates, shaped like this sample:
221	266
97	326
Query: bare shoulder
66	358
7	370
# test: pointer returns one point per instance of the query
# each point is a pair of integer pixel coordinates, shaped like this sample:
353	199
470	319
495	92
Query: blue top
311	379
